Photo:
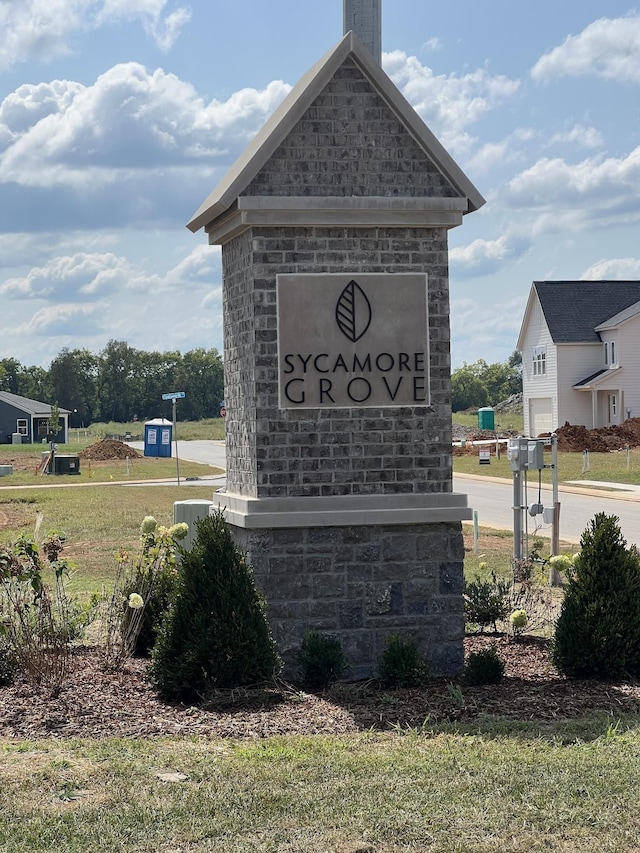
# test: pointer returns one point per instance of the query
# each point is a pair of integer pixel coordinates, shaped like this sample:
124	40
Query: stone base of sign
361	583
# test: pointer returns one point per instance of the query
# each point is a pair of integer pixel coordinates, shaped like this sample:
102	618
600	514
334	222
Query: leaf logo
353	311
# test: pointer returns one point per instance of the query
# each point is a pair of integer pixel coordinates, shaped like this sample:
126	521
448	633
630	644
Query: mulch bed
96	703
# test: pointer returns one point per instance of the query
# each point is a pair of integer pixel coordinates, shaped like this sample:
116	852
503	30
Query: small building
580	345
30	419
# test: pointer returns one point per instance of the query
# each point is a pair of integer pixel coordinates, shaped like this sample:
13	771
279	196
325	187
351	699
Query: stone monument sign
333	225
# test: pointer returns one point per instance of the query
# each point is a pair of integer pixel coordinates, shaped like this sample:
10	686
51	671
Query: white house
580	345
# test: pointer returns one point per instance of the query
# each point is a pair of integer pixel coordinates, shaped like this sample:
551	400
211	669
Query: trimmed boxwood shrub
598	630
215	633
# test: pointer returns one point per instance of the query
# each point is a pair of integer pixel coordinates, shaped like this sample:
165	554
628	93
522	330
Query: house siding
575	363
9	416
538	335
628	356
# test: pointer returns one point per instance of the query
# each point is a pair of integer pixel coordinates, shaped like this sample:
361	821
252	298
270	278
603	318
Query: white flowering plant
141	591
518	621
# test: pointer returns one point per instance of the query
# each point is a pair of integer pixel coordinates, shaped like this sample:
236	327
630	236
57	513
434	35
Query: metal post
175	436
476	547
517	515
555	527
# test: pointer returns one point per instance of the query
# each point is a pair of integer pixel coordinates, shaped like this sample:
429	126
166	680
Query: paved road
492	499
205	452
494	504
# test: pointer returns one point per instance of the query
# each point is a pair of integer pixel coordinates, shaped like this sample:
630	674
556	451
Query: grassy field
208	428
502	420
607	467
496	788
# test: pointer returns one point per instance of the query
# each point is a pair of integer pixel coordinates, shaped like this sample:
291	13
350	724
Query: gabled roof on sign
299	99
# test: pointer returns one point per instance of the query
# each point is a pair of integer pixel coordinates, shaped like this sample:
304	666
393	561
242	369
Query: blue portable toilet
157	437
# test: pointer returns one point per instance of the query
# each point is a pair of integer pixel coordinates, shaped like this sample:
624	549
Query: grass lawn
494	789
208	428
98	521
607	467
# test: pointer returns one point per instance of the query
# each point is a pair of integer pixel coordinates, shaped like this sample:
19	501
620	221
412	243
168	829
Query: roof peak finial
364	17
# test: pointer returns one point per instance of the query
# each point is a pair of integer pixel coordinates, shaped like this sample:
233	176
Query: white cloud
433	44
585	137
608	48
44	29
485	328
160	24
58	320
481	257
448	104
78	276
130	121
613	269
593	189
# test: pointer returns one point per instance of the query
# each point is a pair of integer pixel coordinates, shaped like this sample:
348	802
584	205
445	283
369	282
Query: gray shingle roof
32	407
573	309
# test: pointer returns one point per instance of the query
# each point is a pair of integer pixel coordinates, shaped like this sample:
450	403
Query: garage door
540	415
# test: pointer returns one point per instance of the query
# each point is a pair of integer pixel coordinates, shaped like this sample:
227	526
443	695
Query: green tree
482	384
73	377
467	388
117	379
54	420
33	382
201	377
598	630
10	375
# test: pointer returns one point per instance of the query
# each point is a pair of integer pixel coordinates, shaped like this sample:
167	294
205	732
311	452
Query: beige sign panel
348	340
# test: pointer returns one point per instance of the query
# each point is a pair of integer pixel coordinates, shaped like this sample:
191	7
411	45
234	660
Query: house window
21	425
613	353
43	427
539	361
614	406
606	353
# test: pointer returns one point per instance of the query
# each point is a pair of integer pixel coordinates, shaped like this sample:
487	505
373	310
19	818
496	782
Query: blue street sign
175	395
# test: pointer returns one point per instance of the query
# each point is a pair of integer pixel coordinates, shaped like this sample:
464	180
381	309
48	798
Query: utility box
64	463
486	418
157	437
535	455
16	438
190	511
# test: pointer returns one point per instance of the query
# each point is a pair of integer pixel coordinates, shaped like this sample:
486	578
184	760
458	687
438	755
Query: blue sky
118	117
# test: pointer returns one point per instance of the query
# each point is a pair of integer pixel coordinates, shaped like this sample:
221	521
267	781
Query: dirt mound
574	438
108	448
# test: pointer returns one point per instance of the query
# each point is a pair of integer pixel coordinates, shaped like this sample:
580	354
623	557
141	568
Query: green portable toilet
486	418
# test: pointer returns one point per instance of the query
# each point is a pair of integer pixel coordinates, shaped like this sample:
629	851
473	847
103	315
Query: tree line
481	384
121	383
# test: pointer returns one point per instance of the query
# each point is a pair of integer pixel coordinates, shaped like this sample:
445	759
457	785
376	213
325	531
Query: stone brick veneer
358	451
361	584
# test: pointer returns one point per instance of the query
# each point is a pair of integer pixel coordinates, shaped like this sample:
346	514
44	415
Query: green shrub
401	664
485	602
321	660
215	633
598	630
484	667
